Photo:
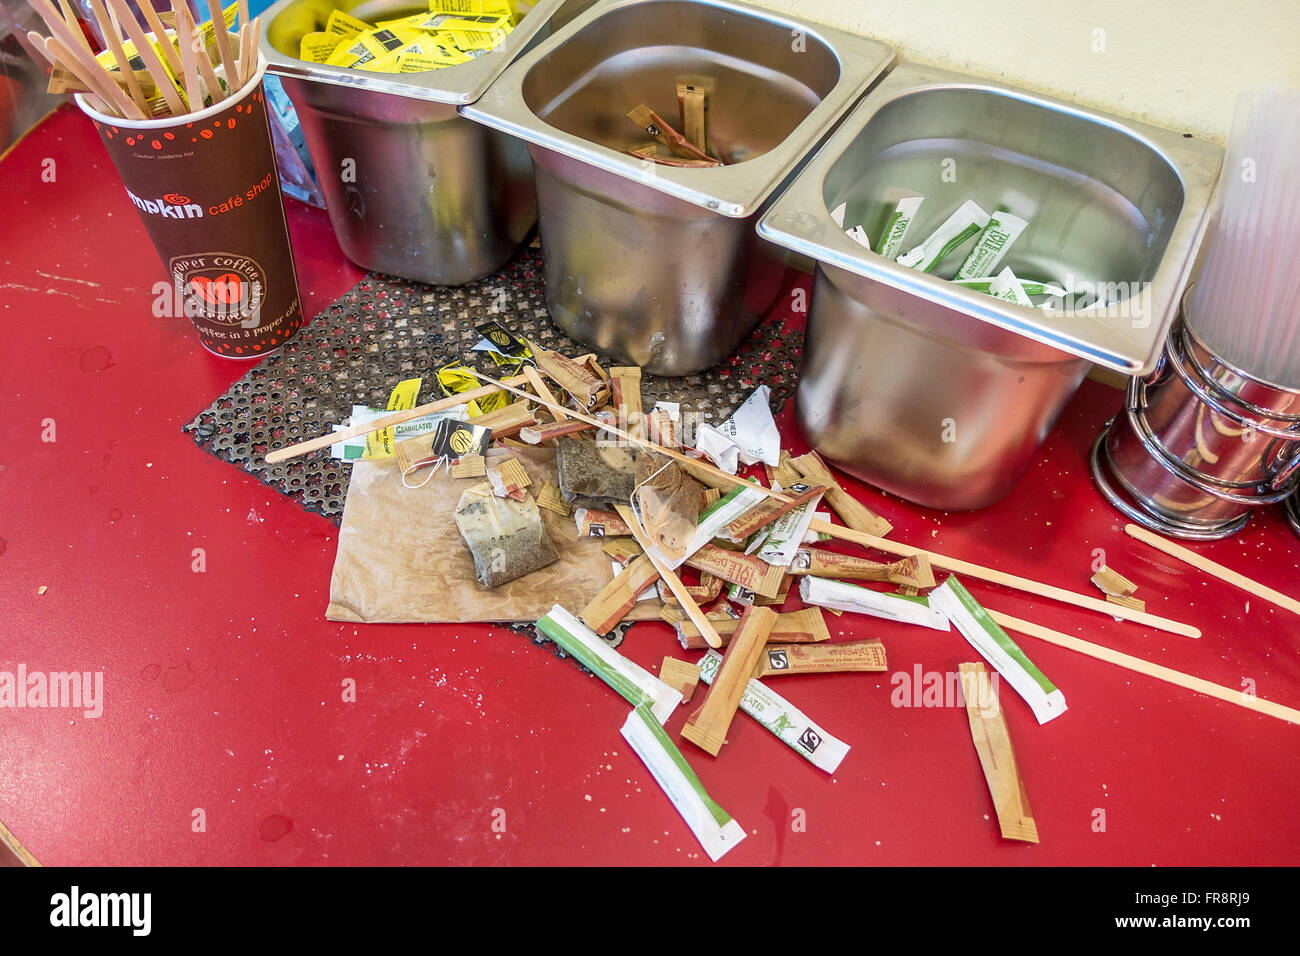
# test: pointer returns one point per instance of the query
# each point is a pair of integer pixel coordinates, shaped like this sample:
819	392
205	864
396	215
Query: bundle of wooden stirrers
150	71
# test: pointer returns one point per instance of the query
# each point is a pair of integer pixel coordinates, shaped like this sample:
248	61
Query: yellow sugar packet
471	7
481	40
136	62
486	23
345	25
371	45
208	34
378	64
318	47
413	21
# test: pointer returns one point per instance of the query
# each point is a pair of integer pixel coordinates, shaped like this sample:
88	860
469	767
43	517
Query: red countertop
223	689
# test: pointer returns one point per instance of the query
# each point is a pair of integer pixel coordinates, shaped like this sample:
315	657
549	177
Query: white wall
1174	63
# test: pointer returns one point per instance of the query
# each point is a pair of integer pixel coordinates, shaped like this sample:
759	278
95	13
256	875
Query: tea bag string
438	463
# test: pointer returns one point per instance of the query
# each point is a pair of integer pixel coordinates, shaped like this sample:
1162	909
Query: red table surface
223	689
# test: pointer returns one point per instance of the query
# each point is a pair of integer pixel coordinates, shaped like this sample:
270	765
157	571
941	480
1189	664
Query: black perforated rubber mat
386	329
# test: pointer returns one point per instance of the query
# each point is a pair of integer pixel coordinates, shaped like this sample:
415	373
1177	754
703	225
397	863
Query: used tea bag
505	537
593	475
669	503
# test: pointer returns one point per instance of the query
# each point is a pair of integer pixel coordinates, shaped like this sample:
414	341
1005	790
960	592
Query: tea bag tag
451	441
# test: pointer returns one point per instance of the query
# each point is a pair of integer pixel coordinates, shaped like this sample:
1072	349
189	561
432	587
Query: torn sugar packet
786	533
718	447
753	429
504	348
841	596
649	593
674	410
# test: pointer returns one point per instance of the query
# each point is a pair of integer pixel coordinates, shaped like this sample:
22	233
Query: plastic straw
1245	301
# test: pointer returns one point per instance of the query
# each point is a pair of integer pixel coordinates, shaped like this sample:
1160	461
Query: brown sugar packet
1113	583
767	511
988	727
509	421
707	590
622	550
680	676
660	130
851	511
595	523
619	596
784	474
804	626
549	497
742	569
506	538
913	571
508	479
780	659
412	453
536	434
625	390
692	104
575	378
469	466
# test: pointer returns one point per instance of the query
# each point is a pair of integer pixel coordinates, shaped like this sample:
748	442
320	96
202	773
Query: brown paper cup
206	188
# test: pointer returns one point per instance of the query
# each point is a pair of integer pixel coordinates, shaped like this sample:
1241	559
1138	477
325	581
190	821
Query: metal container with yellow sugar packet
412	188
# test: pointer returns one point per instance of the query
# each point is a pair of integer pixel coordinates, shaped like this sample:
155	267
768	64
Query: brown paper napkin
401	559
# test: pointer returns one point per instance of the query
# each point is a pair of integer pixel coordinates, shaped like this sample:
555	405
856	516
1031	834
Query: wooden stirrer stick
74	27
108	28
396	418
223	45
201	57
149	56
1140	666
160	34
84	67
669	576
185	40
254	31
1213	568
38	43
994	576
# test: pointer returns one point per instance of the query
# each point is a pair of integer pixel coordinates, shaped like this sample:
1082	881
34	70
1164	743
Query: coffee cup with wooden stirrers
181	111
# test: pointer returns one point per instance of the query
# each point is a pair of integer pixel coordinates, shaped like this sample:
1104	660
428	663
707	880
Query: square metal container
412	188
941	394
660	265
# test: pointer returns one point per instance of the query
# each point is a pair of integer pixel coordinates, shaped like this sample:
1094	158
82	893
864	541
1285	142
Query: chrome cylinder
1199	444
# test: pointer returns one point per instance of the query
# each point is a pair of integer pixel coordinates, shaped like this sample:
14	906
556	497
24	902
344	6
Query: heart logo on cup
227	289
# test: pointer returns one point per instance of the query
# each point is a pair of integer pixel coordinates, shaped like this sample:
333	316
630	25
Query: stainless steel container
412	188
654	264
941	394
1199	444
